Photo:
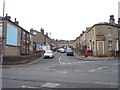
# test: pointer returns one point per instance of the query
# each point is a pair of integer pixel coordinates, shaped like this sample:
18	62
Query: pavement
26	64
93	57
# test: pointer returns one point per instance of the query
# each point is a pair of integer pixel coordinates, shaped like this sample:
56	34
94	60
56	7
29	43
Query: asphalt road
63	72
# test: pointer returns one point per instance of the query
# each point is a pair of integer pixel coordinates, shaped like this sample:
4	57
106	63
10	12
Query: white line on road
73	62
62	72
59	58
60	61
50	85
93	70
116	64
105	83
28	87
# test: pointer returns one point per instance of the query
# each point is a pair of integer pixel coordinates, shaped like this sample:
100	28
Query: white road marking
93	70
59	58
105	83
60	61
48	69
73	62
68	63
77	70
50	85
62	72
28	87
116	64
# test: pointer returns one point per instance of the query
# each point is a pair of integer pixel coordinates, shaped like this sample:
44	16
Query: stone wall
20	59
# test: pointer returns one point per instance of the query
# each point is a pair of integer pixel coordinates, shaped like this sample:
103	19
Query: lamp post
1	59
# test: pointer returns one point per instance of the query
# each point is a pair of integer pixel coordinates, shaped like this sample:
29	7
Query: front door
100	48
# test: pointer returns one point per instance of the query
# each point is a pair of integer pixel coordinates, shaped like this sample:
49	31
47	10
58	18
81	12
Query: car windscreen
69	50
48	52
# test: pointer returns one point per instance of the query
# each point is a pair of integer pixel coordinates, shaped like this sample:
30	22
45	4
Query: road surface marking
73	62
28	87
59	58
62	72
68	63
60	61
93	70
77	70
116	64
105	83
50	85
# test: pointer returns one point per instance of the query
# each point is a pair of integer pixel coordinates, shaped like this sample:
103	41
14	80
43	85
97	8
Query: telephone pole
1	54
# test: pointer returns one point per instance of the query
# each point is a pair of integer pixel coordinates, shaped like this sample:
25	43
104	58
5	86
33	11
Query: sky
64	19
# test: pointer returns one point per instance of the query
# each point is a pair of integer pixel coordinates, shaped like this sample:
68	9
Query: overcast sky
64	19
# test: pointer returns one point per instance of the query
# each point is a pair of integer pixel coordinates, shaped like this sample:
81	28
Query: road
63	72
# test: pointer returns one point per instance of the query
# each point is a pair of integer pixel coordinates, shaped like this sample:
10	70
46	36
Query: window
0	29
109	32
110	45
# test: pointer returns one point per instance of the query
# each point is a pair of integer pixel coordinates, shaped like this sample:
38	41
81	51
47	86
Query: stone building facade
15	43
101	38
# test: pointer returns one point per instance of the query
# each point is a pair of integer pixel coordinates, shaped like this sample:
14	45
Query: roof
1	18
104	23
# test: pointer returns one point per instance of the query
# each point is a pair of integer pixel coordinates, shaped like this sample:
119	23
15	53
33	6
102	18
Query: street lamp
1	59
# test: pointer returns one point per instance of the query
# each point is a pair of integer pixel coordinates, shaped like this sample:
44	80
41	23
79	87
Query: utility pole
118	40
2	32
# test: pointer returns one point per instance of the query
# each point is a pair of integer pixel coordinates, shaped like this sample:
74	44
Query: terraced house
102	38
41	40
16	40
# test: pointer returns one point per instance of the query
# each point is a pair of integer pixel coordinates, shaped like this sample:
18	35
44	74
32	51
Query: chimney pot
42	30
7	17
112	16
112	20
118	21
15	19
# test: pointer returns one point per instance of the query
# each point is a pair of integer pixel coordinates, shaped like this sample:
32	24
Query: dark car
69	52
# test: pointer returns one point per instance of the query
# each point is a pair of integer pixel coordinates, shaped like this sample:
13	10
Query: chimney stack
7	17
118	21
112	20
16	22
46	33
87	28
42	30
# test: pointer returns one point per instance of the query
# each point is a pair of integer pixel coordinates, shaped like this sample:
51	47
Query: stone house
40	39
103	38
12	38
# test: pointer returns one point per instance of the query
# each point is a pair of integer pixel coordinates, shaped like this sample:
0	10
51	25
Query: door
100	48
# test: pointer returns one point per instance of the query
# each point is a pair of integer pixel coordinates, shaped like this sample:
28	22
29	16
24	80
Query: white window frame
109	46
1	28
109	31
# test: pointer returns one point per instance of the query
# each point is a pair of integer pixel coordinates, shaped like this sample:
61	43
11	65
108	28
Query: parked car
59	50
69	52
48	54
62	50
